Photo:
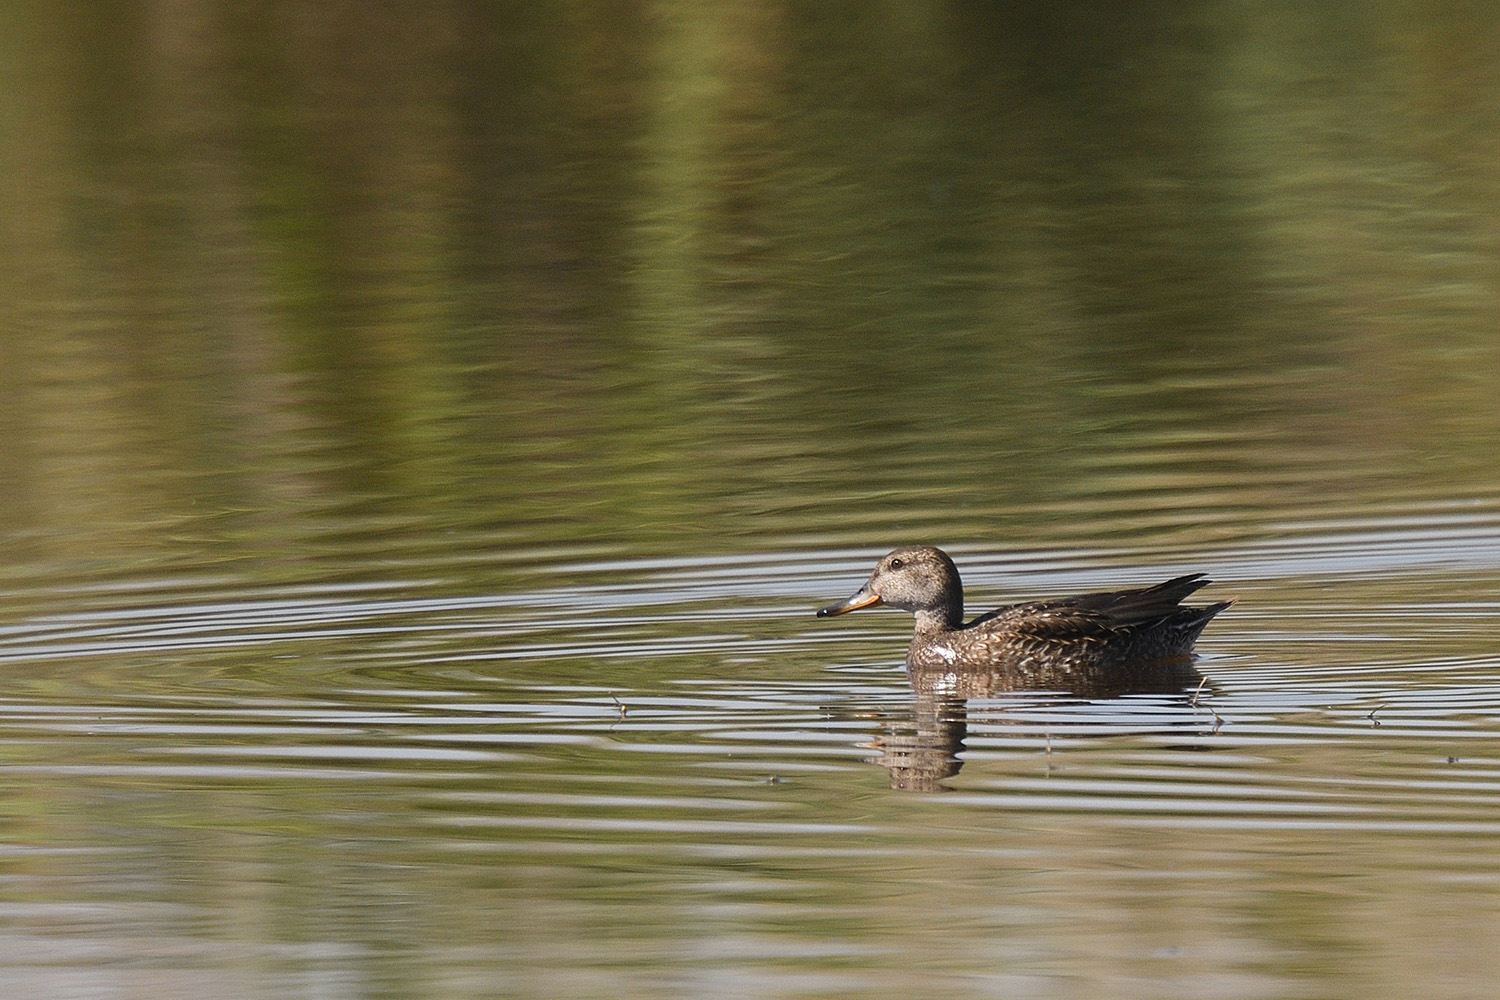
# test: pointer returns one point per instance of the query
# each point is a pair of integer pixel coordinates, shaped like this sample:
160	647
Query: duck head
916	578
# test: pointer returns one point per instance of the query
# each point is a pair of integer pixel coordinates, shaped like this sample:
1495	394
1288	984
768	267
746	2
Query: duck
1094	633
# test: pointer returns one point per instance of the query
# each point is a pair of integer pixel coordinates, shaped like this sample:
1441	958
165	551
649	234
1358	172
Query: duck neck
931	621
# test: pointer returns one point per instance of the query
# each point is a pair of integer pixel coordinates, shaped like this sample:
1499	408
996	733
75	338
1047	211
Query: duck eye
897	563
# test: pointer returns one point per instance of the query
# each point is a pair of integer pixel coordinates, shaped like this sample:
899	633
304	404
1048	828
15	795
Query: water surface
424	441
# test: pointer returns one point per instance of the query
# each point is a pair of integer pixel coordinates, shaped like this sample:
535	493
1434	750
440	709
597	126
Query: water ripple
1354	683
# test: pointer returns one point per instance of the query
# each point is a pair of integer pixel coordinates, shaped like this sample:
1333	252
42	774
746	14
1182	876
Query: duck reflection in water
1100	645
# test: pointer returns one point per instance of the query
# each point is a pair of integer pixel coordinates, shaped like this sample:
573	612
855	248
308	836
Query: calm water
424	440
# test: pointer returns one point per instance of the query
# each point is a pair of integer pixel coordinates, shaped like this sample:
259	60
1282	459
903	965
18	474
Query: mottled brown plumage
1092	633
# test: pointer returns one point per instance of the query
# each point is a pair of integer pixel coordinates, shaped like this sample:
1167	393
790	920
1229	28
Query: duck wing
1103	614
1129	607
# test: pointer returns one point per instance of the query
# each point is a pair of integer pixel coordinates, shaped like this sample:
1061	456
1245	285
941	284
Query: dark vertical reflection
342	130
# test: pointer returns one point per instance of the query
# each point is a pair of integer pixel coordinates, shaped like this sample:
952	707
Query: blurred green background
690	277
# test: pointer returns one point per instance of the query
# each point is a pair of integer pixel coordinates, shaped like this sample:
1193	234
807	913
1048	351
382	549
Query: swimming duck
1117	629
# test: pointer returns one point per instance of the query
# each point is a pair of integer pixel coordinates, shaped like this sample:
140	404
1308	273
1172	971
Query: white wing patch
946	652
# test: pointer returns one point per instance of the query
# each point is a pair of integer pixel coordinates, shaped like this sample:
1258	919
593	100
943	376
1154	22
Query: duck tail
1198	618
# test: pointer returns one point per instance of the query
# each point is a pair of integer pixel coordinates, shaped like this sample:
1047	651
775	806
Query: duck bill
862	599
